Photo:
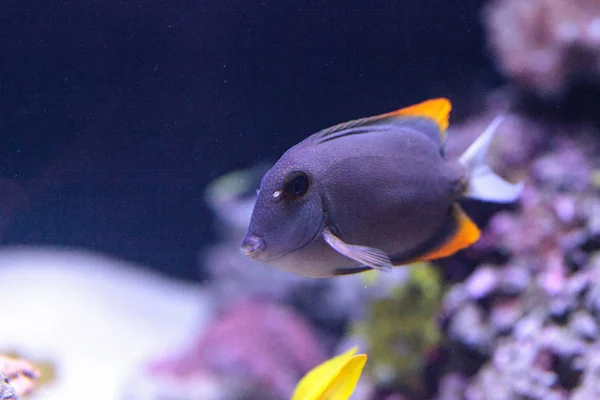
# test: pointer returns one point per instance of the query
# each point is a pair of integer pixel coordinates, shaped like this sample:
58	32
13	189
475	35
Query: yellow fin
436	109
466	234
343	385
335	379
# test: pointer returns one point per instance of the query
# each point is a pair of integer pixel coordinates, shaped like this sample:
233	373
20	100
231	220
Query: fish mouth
261	255
278	256
252	246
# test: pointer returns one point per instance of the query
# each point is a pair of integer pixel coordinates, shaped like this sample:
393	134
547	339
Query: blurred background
134	135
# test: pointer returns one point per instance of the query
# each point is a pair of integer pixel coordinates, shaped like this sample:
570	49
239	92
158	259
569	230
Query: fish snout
252	246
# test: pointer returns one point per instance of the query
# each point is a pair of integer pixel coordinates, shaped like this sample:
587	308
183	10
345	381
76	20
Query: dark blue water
114	115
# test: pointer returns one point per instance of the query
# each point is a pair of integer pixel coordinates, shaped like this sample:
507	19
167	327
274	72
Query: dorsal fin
352	127
436	109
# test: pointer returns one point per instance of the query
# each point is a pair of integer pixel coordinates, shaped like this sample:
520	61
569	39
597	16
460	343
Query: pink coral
265	343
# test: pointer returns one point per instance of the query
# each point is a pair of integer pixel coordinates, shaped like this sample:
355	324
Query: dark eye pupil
299	186
296	185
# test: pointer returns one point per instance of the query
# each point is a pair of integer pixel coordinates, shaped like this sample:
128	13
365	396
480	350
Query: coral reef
401	329
543	45
6	390
257	348
17	377
526	327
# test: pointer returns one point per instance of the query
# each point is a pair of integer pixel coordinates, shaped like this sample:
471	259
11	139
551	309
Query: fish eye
296	185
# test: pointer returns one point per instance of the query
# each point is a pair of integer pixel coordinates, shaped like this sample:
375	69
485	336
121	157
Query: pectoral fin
369	256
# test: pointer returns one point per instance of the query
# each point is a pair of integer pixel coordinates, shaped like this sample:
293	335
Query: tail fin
484	184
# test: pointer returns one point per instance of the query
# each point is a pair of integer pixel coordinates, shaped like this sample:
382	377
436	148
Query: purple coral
255	341
527	326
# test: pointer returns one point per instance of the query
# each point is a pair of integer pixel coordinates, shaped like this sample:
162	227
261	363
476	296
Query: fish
335	379
373	193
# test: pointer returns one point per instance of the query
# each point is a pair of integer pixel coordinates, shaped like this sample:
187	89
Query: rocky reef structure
17	378
524	324
401	331
545	45
255	350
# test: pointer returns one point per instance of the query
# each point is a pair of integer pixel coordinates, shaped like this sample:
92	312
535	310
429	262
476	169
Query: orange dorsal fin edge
465	235
436	109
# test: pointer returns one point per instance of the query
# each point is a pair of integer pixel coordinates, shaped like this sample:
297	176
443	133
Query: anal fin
465	234
351	271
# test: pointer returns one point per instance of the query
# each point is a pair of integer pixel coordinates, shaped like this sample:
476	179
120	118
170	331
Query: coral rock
542	44
257	342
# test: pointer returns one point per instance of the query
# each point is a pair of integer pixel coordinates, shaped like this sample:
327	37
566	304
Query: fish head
288	213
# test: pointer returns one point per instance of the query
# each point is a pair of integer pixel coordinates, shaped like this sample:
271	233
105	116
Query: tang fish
372	193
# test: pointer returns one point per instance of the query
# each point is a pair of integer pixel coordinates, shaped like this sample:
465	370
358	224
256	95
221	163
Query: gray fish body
386	186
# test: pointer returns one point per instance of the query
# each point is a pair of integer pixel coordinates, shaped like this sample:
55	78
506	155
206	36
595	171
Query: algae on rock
401	329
